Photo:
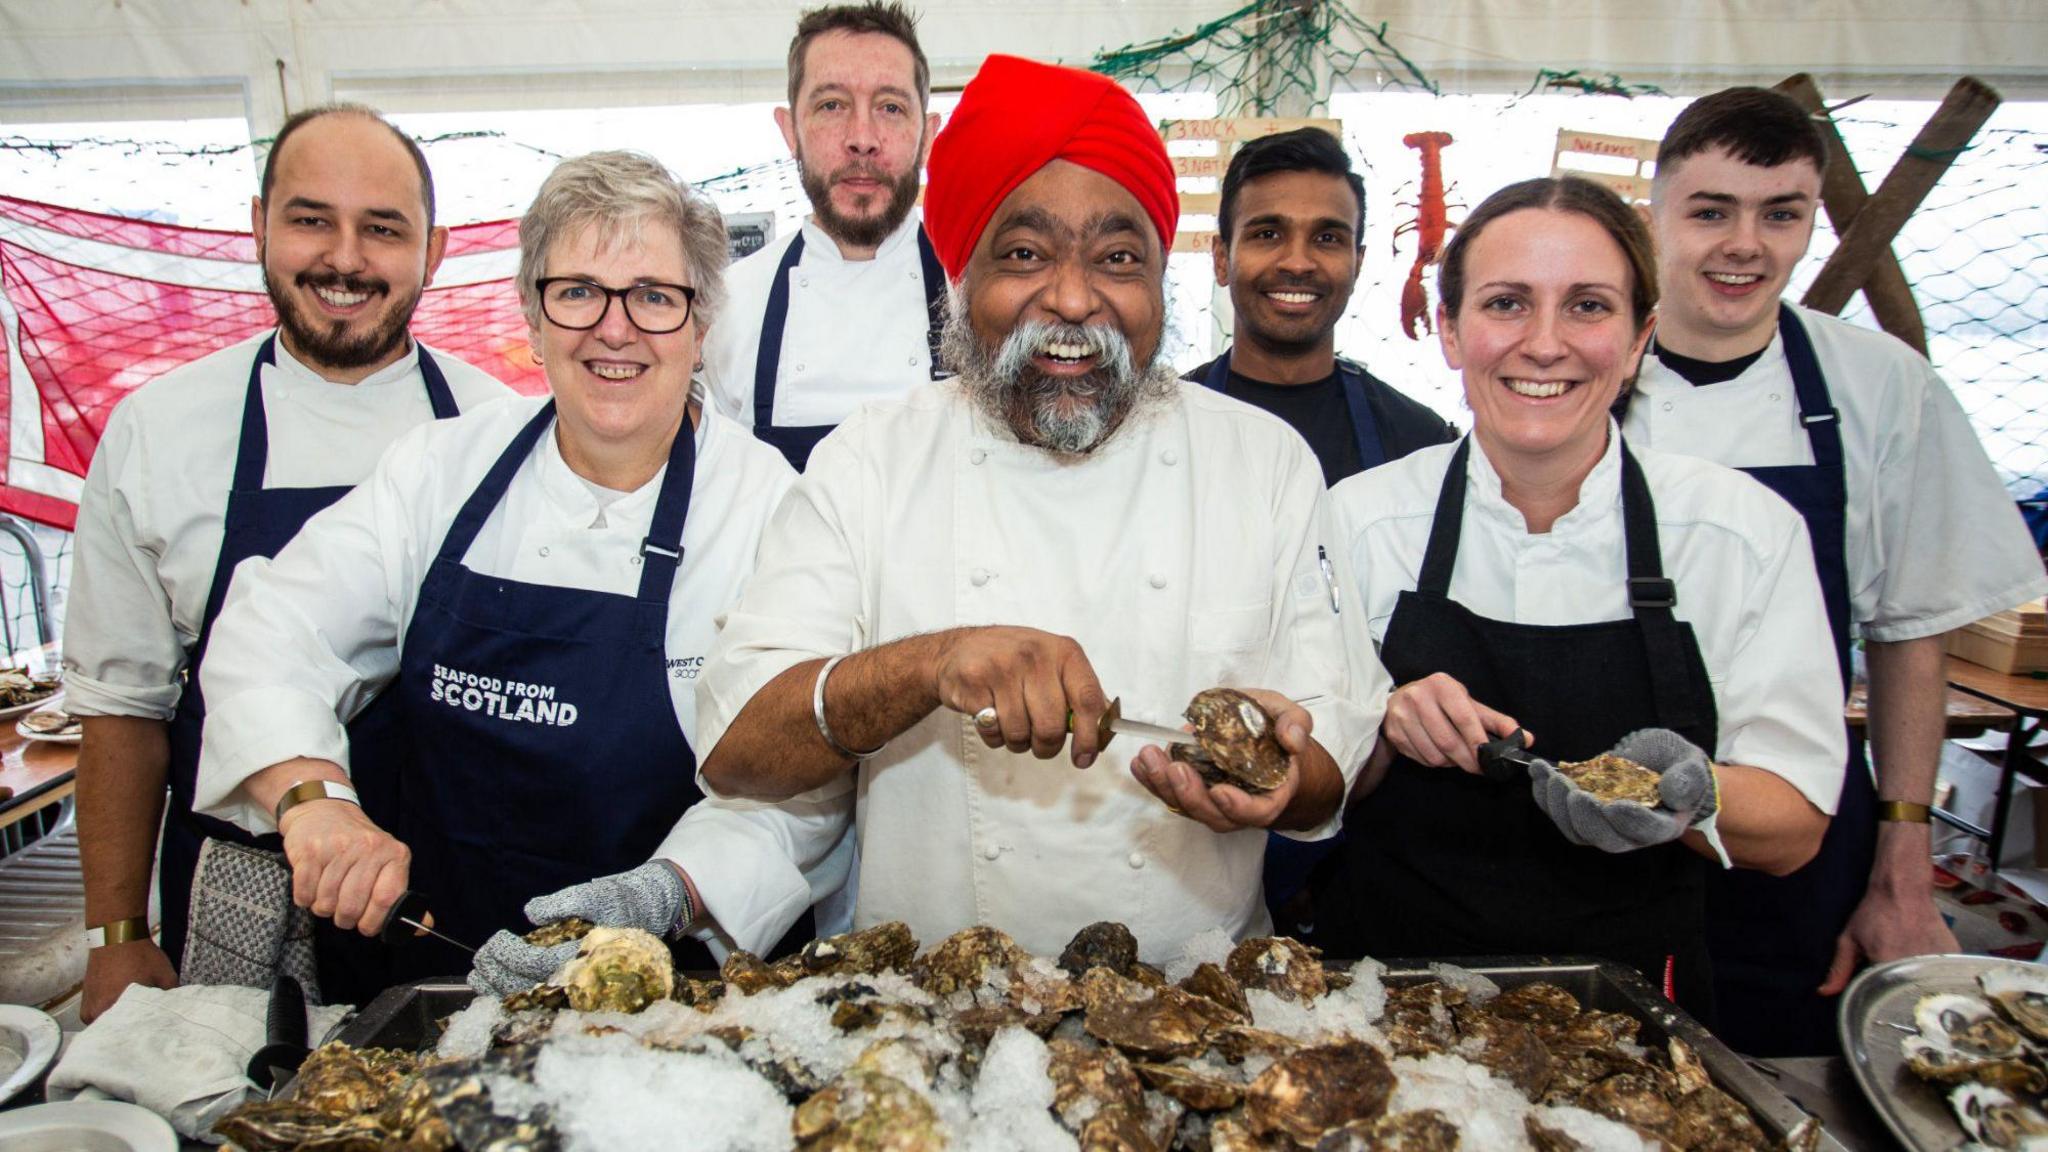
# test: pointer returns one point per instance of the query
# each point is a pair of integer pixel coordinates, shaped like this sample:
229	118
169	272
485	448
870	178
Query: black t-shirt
1698	372
1322	414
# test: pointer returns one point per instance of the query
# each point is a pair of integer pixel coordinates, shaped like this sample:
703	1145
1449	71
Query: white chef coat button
1169	457
978	455
1158	580
1135	860
543	549
979	576
803	282
1774	397
801	368
635	561
991	852
1667	403
913	361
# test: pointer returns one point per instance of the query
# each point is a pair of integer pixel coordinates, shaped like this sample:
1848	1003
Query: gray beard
1068	415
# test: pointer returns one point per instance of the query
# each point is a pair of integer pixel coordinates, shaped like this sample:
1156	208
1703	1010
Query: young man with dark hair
1913	535
222	460
1289	245
847	308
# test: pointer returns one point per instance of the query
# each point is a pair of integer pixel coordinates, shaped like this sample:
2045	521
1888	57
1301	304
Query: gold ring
1175	811
986	718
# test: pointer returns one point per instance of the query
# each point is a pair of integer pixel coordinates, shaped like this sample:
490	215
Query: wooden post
1842	192
1969	104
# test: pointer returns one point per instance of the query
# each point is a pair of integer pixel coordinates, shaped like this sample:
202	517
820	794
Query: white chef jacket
1182	555
307	639
857	329
1933	540
1738	554
156	497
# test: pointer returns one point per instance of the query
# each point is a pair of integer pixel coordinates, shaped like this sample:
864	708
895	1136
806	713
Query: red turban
1015	117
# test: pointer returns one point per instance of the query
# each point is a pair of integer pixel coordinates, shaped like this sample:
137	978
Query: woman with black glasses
537	584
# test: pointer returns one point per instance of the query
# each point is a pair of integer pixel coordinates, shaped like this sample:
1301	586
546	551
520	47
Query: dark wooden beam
1843	195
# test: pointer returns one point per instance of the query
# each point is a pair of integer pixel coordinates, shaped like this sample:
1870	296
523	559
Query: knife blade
411	912
1113	722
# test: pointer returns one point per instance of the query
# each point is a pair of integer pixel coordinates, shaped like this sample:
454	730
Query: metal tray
409	1017
1877	1005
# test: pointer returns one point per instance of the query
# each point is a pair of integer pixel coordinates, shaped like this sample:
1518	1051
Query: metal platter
1877	1013
409	1017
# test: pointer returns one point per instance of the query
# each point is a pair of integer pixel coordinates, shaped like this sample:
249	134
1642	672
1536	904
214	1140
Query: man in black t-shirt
1289	246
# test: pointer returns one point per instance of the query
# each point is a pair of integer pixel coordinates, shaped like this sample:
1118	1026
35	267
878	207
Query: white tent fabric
85	60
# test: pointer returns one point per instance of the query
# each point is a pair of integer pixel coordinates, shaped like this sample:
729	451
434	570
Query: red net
94	306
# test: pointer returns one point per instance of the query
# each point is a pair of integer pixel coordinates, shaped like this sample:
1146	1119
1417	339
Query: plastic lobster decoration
1429	227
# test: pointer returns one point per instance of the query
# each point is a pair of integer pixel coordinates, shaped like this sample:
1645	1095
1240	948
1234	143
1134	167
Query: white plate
85	1125
26	733
14	710
28	1042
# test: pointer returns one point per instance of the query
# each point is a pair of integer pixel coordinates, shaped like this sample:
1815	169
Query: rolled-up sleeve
122	651
308	639
1780	695
804	598
1344	692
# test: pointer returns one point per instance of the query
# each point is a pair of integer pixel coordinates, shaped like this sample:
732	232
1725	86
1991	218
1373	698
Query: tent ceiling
101	59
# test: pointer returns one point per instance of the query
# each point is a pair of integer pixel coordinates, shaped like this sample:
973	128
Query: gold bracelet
1904	812
306	790
118	932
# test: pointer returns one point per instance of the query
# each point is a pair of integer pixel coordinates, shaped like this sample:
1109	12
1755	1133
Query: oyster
885	947
1160	1023
1996	1120
1610	778
864	1111
1708	1118
1238	745
2021	994
52	722
1103	944
747	973
1423	1130
1218	987
1931	1060
1507	1048
1088	1078
1417	1021
1634	1099
1312	1090
338	1080
1199	1090
1118	1128
1238	1043
1966	1025
1283	966
1540	1004
559	932
617	970
964	960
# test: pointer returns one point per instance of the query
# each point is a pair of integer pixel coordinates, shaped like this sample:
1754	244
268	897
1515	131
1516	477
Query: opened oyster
2022	994
1996	1120
1238	744
617	970
1281	965
1610	778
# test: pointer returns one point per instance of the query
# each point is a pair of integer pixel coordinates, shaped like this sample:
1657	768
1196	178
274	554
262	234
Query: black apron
543	743
259	522
795	441
1443	863
1773	937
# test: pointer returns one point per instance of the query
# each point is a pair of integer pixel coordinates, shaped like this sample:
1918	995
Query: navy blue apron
1289	862
1444	863
259	522
1365	430
795	441
544	746
1774	937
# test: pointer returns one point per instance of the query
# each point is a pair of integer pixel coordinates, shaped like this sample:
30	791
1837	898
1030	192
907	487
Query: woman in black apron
542	723
1548	290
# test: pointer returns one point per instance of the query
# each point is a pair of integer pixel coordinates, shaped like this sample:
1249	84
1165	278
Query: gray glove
651	897
1685	787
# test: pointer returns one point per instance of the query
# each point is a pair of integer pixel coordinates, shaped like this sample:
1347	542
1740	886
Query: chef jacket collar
571	493
398	369
986	431
820	248
1599	493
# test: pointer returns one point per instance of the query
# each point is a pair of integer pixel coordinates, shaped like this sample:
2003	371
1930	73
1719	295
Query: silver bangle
818	714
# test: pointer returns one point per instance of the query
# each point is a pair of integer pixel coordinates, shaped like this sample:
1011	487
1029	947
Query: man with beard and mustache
965	566
223	459
846	309
1290	241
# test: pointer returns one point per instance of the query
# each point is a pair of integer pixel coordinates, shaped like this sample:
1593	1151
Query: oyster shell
1966	1025
1611	778
885	947
1930	1060
1312	1090
338	1080
1218	987
1237	742
2021	995
864	1111
1088	1078
1423	1130
1283	966
617	970
1508	1048
1634	1099
1996	1120
1159	1023
559	932
1199	1090
964	960
748	974
1103	944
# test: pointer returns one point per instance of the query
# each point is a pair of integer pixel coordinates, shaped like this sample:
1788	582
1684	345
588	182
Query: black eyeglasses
580	305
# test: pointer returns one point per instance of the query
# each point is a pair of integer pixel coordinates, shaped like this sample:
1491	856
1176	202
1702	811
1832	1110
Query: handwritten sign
1200	167
1247	128
1192	241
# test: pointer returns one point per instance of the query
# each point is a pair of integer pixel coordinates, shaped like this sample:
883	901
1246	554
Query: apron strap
252	452
1669	649
1365	430
1816	408
934	297
768	357
1442	553
477	509
438	395
662	552
1218	374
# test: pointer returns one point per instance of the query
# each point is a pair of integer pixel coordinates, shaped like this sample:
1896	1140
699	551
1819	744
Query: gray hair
620	193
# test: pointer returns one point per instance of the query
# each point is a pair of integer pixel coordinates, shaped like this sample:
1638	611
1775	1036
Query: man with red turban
965	574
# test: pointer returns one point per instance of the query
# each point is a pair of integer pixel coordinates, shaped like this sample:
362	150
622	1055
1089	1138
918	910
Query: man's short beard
1072	415
859	231
328	344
